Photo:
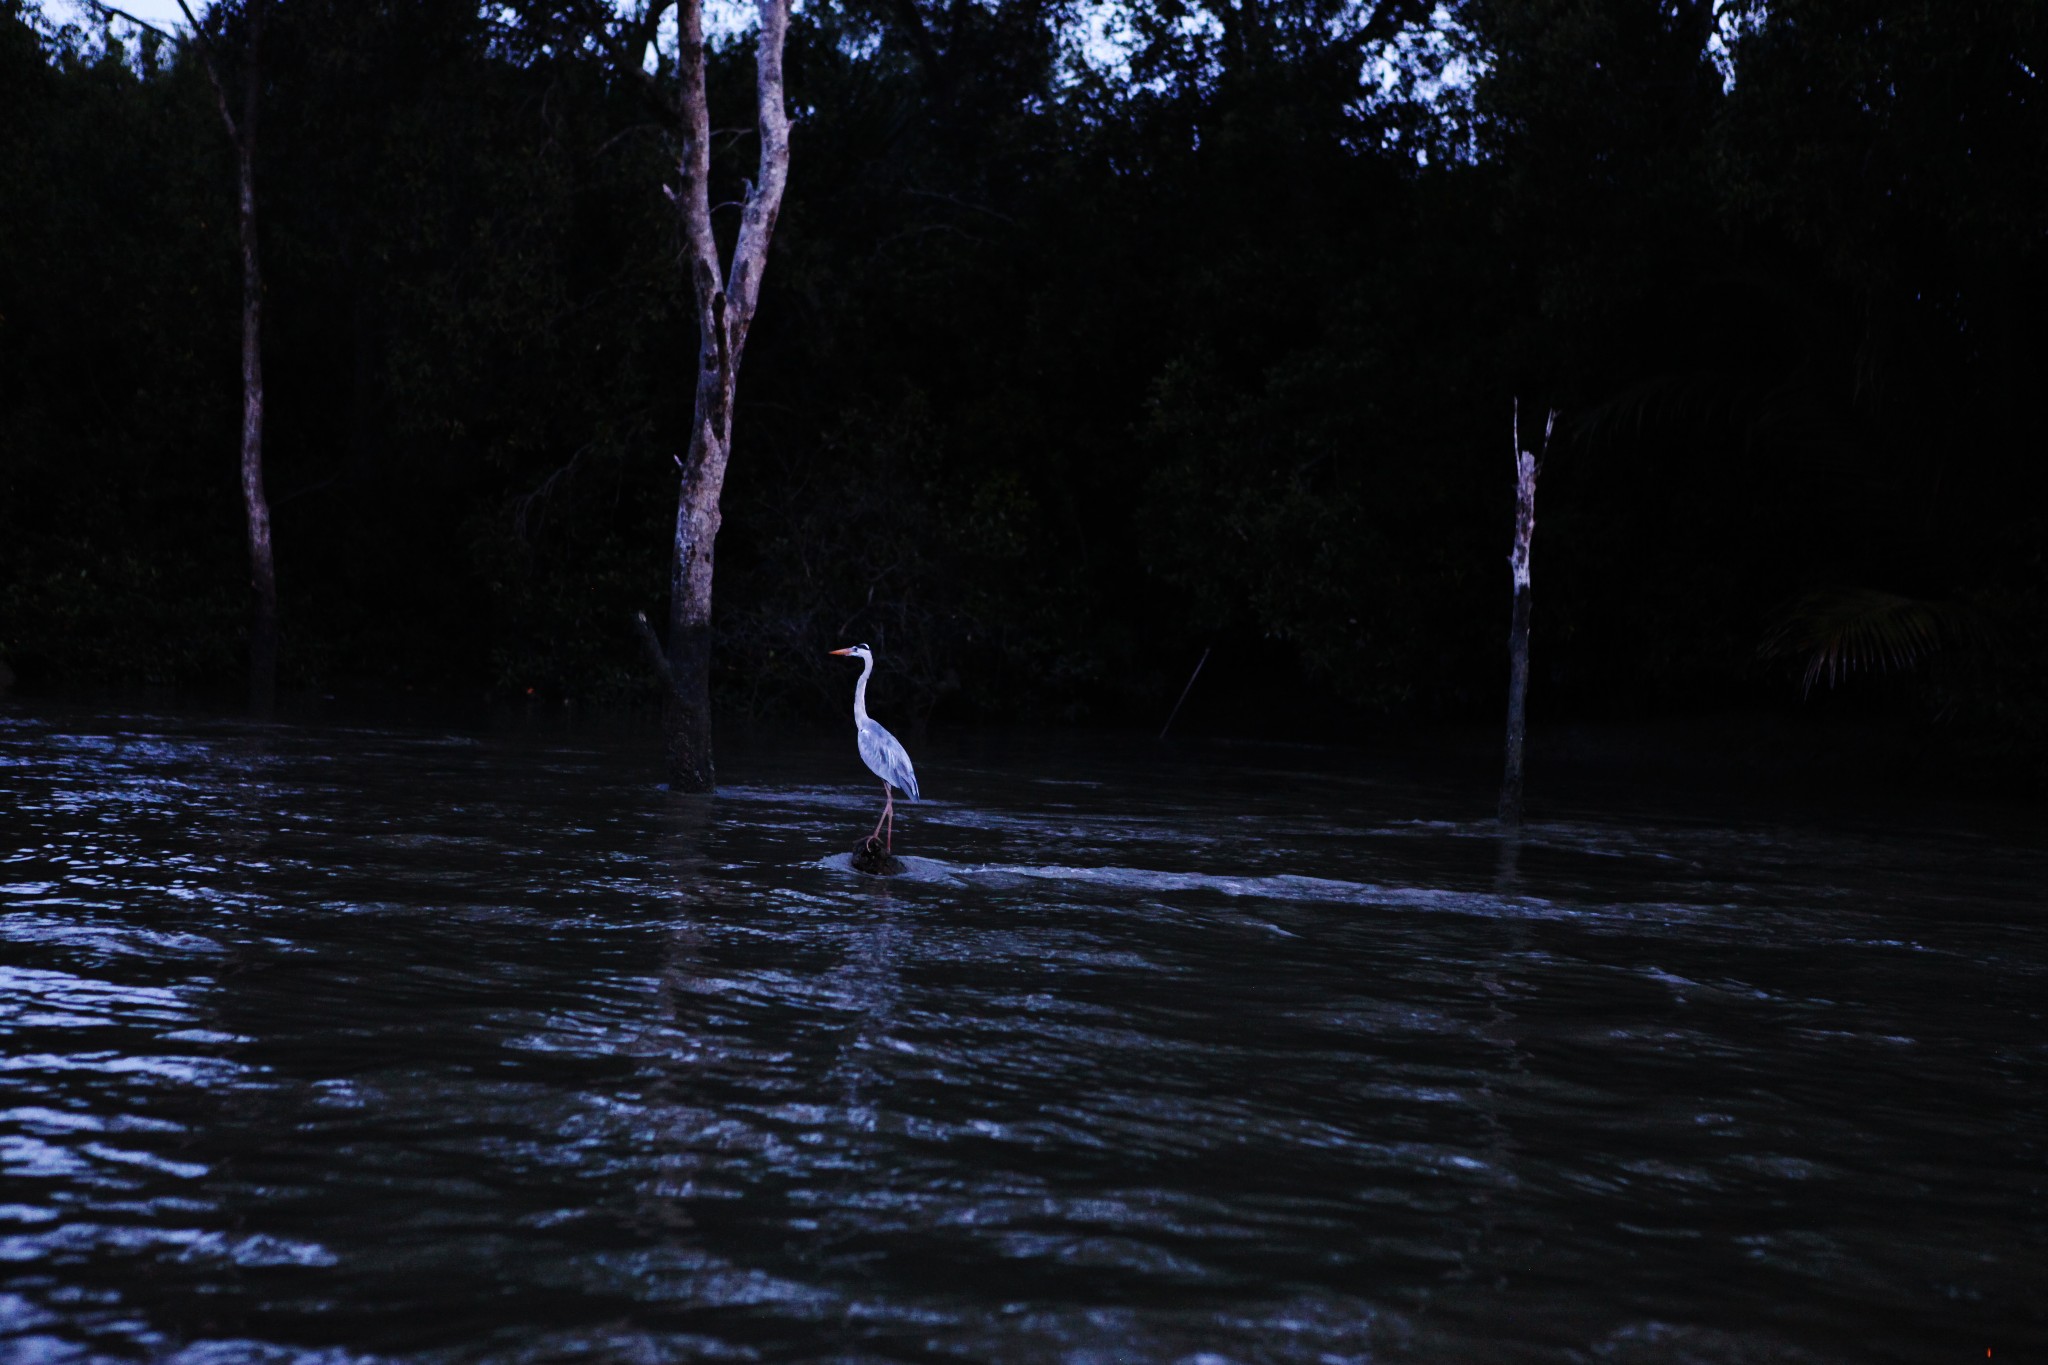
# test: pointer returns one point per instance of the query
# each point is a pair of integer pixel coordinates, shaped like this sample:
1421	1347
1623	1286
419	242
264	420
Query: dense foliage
1093	337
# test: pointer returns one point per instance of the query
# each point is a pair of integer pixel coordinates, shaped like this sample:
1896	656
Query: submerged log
873	857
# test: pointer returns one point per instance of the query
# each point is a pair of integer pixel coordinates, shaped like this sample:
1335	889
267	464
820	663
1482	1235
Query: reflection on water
367	1044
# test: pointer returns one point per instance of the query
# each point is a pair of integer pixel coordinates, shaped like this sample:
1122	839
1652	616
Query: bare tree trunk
1527	468
725	309
1518	692
255	504
262	568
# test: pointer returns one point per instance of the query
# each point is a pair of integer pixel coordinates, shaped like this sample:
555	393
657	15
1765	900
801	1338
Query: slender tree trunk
726	300
262	568
1527	468
1518	692
255	503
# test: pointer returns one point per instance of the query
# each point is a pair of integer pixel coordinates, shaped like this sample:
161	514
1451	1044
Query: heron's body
881	751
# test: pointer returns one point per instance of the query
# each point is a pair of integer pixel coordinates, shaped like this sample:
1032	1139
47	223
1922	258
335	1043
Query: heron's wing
886	758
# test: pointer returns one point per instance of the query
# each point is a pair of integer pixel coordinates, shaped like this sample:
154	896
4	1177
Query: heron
879	749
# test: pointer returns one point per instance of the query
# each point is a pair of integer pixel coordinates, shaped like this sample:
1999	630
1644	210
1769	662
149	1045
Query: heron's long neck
860	690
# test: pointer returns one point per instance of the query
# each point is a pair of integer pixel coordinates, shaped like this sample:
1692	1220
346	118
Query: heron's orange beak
839	651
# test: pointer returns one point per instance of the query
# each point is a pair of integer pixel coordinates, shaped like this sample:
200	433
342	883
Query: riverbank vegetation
1091	337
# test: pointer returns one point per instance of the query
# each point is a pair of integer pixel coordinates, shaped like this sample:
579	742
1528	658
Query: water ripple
352	1044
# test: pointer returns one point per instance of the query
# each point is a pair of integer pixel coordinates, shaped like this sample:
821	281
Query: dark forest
1228	436
1090	339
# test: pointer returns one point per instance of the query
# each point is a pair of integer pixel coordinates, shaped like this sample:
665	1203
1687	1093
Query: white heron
879	749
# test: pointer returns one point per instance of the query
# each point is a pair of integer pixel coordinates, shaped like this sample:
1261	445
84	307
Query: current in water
336	1044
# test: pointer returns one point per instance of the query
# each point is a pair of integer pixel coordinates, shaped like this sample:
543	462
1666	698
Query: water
339	1044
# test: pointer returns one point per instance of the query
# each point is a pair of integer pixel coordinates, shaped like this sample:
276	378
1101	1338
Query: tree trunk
262	570
1518	692
725	309
255	503
686	714
1527	468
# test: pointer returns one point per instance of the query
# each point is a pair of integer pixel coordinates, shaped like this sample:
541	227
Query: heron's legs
888	810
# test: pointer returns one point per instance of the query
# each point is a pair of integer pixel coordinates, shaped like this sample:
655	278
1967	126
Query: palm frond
1684	398
1840	631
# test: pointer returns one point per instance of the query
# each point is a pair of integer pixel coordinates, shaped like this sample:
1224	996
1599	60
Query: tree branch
206	58
139	23
692	194
620	41
654	649
764	197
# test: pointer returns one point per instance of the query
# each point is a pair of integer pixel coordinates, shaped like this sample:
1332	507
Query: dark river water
333	1044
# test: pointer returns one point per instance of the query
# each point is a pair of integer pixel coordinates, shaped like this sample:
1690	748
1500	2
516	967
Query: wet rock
872	857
